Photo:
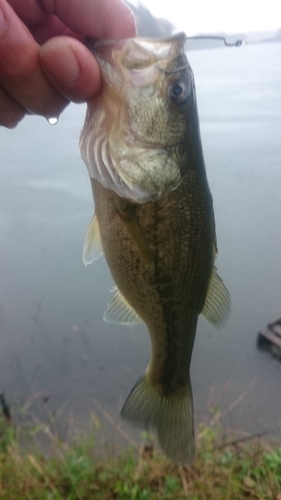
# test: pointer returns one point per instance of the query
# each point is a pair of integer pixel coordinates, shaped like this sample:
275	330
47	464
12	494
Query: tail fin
171	416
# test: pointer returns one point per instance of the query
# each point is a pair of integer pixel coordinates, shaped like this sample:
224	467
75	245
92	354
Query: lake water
53	342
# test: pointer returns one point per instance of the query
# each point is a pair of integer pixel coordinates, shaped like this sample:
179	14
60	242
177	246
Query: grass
225	468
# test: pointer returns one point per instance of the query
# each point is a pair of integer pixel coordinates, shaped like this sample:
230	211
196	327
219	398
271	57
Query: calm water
53	342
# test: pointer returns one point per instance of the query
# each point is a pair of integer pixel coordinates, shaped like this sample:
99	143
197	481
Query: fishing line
238	43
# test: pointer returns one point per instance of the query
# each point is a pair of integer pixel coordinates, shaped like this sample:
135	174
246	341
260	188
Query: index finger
94	18
21	74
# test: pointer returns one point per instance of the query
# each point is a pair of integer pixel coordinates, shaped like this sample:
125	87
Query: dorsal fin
92	247
217	304
119	311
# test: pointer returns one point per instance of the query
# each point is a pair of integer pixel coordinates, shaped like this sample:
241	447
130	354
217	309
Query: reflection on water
55	348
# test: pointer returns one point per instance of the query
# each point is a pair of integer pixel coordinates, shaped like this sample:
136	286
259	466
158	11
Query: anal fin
119	311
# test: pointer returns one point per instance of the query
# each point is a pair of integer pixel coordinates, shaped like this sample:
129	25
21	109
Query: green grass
75	471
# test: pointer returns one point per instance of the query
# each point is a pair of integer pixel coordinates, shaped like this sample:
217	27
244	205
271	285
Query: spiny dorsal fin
217	304
92	247
119	311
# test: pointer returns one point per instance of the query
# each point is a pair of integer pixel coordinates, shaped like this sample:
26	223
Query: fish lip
93	43
161	54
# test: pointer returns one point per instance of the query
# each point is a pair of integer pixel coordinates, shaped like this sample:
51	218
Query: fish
154	222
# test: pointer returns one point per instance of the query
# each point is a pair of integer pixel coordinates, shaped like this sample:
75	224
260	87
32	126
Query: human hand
43	79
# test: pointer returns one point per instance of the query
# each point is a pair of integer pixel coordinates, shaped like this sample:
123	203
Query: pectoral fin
120	312
92	247
217	304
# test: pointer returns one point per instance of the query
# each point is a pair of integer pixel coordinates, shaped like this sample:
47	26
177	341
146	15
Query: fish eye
178	92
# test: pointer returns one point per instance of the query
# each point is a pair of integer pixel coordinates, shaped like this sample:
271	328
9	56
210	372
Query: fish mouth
137	59
140	53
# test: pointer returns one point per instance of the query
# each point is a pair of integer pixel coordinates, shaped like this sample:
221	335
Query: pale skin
43	62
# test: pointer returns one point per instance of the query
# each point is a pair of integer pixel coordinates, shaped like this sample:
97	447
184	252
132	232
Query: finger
71	68
98	18
21	74
50	28
41	24
11	111
29	11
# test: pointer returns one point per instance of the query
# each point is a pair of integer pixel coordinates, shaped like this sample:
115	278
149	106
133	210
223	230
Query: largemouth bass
154	222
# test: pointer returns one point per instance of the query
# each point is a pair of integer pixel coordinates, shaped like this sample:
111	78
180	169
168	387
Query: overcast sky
218	15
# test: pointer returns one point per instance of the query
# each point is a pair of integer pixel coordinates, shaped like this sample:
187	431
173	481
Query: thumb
71	68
